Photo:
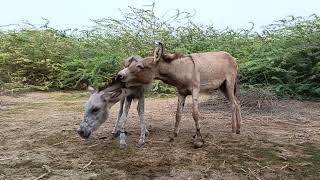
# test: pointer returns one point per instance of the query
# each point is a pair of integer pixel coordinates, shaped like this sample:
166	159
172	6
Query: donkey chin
86	130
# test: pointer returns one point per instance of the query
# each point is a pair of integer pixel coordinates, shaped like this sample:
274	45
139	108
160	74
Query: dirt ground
38	139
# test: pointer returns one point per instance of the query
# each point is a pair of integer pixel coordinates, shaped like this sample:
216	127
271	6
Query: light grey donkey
98	107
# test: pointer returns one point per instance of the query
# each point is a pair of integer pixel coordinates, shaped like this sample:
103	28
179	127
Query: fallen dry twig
94	145
264	167
224	162
293	124
219	147
3	159
56	144
243	170
45	174
252	157
253	174
87	164
284	167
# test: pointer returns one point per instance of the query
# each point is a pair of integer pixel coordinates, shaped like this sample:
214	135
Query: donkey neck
177	73
115	84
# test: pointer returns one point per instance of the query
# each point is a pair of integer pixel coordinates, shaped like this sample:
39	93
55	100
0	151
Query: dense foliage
284	57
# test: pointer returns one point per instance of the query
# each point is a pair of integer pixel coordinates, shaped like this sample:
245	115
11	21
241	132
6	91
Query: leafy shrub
284	57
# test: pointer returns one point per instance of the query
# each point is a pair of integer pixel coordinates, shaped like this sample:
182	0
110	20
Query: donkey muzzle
84	133
122	75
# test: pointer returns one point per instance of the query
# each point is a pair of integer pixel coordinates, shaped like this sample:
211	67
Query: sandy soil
38	138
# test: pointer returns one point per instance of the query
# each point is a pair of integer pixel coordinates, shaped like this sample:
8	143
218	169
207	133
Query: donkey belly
211	84
211	76
212	70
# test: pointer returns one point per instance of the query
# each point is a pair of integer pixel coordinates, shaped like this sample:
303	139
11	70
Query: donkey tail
236	87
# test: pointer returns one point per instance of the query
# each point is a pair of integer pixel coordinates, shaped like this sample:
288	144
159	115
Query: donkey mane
114	84
171	57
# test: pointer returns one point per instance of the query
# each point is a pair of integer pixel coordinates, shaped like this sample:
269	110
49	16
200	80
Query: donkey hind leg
181	101
235	107
143	128
238	113
197	138
225	90
123	121
115	131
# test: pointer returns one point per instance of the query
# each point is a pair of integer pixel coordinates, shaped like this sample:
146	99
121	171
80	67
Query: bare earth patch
38	137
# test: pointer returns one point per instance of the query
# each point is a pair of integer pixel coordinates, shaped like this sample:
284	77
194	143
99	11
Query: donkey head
98	106
143	71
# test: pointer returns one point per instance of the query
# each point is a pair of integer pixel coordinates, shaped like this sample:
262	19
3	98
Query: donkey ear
113	95
158	52
91	90
131	59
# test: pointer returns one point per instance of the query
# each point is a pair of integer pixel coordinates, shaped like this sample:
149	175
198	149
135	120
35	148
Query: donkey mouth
84	134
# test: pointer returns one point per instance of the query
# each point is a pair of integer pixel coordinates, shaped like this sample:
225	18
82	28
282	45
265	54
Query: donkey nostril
121	76
80	132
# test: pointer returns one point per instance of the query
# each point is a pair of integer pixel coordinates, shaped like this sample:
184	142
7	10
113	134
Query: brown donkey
191	75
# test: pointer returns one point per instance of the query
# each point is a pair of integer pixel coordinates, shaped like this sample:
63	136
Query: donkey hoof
197	141
140	143
238	131
123	146
175	134
171	139
198	144
116	134
147	132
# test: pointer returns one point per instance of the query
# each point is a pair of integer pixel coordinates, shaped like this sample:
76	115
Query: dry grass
278	141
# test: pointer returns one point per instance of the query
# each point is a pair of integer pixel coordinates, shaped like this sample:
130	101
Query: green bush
283	57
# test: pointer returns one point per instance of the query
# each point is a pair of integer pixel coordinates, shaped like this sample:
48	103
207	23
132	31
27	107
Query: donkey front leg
181	101
143	129
115	131
197	138
123	121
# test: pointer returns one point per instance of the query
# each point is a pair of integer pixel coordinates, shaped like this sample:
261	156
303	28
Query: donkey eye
95	110
140	66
